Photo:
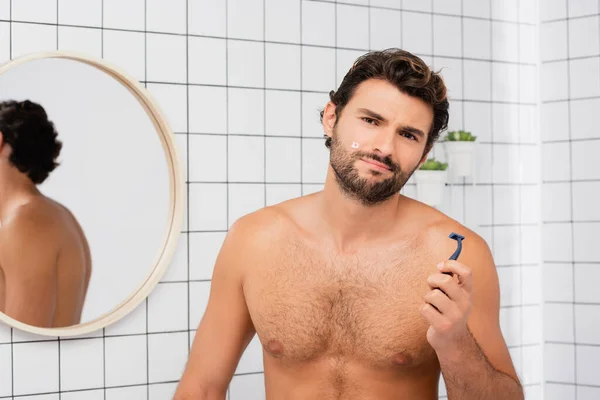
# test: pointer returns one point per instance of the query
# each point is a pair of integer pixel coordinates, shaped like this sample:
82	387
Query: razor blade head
456	236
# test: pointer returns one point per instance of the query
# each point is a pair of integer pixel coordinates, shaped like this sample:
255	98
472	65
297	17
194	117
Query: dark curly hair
408	73
25	127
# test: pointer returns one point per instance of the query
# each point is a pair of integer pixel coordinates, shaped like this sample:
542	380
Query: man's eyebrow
374	115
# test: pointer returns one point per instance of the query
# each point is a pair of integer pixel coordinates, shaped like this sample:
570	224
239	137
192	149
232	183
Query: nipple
275	348
401	359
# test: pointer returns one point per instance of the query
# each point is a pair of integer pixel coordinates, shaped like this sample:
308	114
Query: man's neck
15	190
351	224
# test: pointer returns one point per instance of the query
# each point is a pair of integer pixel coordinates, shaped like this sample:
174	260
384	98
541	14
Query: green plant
460	136
433	165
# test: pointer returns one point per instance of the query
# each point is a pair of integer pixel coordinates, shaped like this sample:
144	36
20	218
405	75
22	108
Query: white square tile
81	364
34	11
455	120
283	113
507	246
505	122
246	158
124	15
507	10
582	161
245	199
483	162
208	158
172	100
127	393
315	161
527	84
352	27
416	31
312	105
554	81
167	355
245	65
532	324
5	335
586	197
587	323
204	250
510	285
4	38
345	61
277	193
5	9
478	118
386	30
83	395
125	359
208	109
505	82
532	361
167	307
556	202
476	38
201	71
553	38
584	236
531	285
282	21
506	163
478	202
583	37
178	266
164	16
166	58
32	38
585	283
451	71
506	204
207	17
587	393
534	391
447	6
397	4
579	8
23	336
556	160
208	207
555	121
558	282
252	358
418	5
73	12
529	167
41	397
40	376
505	41
5	370
528	124
559	362
162	391
556	242
477	77
199	296
318	23
528	44
585	80
582	118
587	357
318	69
283	66
247	387
531	245
477	8
510	324
553	9
126	50
81	40
283	159
554	391
245	19
133	323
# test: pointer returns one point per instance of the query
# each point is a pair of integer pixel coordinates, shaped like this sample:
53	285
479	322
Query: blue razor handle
454	256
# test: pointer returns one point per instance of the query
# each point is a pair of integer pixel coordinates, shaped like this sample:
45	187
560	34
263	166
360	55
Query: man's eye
370	121
409	135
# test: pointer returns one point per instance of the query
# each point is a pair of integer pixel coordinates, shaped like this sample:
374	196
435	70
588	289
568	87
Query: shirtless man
341	286
45	262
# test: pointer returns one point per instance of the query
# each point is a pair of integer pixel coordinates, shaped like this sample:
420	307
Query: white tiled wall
241	82
570	51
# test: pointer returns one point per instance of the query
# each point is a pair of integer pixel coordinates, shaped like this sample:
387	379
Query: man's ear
329	118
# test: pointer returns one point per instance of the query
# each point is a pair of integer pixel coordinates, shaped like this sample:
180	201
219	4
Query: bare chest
366	308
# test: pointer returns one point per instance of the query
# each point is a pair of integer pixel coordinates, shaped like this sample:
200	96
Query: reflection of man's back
46	265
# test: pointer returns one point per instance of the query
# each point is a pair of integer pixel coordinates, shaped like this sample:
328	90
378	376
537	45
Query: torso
345	326
73	263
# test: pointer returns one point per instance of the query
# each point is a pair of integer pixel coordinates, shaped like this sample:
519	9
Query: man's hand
447	310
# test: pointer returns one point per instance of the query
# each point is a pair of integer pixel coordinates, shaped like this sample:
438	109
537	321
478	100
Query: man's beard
362	189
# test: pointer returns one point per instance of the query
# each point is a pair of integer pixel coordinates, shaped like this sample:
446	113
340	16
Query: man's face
390	129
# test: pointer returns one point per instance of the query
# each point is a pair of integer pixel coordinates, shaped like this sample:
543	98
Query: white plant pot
460	157
431	186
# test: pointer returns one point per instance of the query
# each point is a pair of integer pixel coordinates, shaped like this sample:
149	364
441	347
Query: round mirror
90	194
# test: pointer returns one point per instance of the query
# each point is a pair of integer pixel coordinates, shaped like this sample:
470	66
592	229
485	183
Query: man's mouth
376	164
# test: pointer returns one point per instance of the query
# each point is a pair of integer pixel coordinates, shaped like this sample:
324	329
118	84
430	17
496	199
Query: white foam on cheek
354	145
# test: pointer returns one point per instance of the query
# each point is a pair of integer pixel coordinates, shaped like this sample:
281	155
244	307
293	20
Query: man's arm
481	366
28	257
226	328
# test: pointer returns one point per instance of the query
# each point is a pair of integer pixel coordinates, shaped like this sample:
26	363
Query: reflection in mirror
82	167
